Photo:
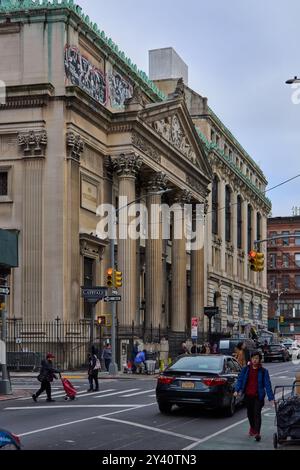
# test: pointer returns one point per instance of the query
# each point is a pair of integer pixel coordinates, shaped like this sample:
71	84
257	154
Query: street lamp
113	367
290	81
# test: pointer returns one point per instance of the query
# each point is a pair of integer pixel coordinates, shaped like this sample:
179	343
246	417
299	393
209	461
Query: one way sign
4	290
112	298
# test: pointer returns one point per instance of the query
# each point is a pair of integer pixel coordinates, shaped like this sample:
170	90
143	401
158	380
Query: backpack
98	364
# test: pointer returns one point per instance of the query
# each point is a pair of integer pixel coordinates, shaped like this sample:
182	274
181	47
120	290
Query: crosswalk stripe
82	394
152	395
118	393
138	393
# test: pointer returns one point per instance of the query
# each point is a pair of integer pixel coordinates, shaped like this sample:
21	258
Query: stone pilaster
154	251
127	167
33	145
222	222
234	232
179	265
198	267
75	147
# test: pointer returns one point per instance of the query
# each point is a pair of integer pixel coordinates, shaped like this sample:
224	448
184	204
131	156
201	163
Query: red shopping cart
68	388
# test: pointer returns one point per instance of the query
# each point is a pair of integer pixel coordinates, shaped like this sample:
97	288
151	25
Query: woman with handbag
46	376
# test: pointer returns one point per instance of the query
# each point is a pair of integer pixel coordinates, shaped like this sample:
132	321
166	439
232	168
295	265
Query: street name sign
112	298
93	294
211	311
4	290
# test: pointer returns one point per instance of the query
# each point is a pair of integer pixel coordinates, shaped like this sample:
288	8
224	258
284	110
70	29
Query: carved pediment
170	128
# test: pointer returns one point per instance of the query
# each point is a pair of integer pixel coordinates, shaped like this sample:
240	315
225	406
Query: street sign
93	294
211	311
18	340
4	290
114	292
112	298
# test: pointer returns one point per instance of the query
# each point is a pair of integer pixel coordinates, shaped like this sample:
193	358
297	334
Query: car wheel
165	407
230	410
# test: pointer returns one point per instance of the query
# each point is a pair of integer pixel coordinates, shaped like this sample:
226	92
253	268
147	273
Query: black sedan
276	352
206	380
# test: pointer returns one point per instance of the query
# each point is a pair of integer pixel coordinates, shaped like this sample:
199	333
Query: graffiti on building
119	90
82	73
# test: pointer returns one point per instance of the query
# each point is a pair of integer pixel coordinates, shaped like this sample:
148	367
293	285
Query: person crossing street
46	376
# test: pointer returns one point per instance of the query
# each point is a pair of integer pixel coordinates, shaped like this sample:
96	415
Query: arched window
239	222
229	306
259	312
241	308
249	222
250	310
227	213
258	226
215	205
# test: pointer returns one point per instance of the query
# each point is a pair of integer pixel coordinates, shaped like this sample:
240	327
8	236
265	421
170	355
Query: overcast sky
239	54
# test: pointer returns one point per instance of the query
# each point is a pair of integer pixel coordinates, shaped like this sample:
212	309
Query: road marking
149	428
152	395
48	407
36	431
82	393
117	393
138	393
221	431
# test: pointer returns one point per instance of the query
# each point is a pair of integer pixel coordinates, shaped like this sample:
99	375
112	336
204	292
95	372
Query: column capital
33	143
157	182
183	197
75	146
127	165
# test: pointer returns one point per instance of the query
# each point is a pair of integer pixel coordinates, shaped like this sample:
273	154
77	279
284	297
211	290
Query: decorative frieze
75	146
33	143
171	130
142	144
197	186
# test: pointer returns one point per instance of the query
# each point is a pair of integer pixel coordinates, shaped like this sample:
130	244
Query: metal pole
113	367
92	324
5	385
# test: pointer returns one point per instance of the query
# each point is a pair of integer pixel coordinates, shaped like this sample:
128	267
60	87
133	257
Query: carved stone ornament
197	186
33	143
91	250
183	197
127	165
170	129
136	98
158	182
146	147
75	146
179	90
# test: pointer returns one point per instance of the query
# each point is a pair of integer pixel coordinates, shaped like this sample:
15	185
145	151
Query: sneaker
96	390
34	397
258	437
50	399
90	390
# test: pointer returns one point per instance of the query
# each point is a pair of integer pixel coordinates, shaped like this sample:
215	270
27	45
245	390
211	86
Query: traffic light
252	260
281	319
109	277
259	261
101	320
118	279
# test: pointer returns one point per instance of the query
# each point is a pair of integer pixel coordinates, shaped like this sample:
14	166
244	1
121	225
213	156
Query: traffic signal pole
5	386
113	367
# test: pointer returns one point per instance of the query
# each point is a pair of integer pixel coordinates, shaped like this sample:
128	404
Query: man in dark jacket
94	367
254	381
46	376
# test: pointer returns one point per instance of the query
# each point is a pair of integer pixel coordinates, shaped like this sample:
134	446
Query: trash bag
288	418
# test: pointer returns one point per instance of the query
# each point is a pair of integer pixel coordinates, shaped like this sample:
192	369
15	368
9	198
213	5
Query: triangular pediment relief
171	129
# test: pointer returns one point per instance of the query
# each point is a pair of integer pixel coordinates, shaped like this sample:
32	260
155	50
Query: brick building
284	273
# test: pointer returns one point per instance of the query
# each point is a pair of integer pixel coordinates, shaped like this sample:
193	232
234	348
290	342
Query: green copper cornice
19	6
211	146
233	139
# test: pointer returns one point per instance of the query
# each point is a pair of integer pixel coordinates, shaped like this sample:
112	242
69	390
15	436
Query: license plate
187	385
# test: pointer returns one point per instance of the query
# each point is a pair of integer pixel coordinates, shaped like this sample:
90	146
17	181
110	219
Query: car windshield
198	364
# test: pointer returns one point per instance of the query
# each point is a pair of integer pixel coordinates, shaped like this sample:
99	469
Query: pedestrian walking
107	355
195	348
240	353
183	349
93	369
254	381
205	348
46	376
140	361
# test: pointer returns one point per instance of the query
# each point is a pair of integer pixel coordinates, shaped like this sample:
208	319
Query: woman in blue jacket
254	382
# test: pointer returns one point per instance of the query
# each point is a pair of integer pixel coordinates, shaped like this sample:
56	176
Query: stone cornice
145	146
27	96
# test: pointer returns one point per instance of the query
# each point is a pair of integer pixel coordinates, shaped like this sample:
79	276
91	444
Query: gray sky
239	53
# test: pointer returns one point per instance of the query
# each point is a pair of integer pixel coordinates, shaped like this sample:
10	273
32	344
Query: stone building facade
237	216
82	126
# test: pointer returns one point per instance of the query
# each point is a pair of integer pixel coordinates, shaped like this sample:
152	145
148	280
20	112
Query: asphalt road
124	415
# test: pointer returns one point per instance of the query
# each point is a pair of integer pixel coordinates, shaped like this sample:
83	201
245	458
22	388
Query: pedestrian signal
118	279
109	277
281	319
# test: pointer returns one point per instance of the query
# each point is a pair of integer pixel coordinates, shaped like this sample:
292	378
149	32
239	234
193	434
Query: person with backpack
46	376
254	382
94	367
107	355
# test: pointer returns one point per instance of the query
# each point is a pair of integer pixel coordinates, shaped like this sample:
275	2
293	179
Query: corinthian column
154	248
179	264
127	167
